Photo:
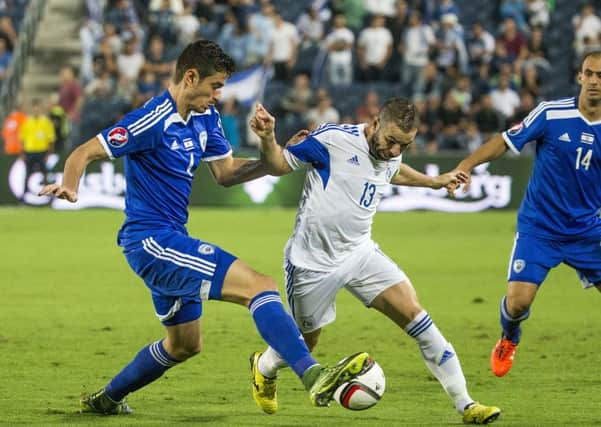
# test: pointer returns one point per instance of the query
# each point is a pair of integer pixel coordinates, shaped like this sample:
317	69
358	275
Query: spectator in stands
102	83
527	104
370	108
450	116
511	38
8	32
398	24
11	129
538	13
37	136
158	60
505	100
130	61
162	22
229	122
384	8
106	56
324	111
481	82
339	44
451	46
515	9
126	89
235	40
445	7
112	38
297	101
58	117
429	82
374	49
5	58
283	50
487	118
537	45
310	28
481	45
587	26
415	47
261	25
204	10
70	94
461	92
187	24
353	10
148	85
471	138
122	14
531	82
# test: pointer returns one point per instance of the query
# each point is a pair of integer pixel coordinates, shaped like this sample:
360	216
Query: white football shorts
311	294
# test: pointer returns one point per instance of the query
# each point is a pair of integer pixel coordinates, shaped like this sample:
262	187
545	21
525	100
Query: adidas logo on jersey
565	137
174	145
354	160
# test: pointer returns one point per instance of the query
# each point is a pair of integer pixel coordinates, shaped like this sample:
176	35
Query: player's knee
517	304
267	284
186	350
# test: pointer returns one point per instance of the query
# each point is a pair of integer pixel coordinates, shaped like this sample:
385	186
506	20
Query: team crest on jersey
117	137
518	265
202	137
206	249
514	130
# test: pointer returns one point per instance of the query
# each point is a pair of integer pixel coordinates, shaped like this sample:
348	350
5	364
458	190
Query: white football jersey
342	189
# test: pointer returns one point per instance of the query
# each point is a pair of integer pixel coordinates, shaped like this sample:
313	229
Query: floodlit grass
73	314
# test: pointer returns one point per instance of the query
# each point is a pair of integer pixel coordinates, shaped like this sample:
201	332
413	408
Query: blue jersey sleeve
217	146
530	129
310	151
139	130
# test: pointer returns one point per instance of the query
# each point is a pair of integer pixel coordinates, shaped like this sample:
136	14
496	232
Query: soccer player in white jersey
558	220
348	167
162	144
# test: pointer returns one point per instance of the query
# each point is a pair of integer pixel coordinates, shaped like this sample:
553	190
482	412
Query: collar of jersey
176	116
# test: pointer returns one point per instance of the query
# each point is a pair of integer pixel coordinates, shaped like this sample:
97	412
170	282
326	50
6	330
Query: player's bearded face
389	141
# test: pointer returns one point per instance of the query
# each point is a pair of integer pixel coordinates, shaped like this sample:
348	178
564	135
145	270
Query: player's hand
450	180
59	191
297	137
262	123
463	177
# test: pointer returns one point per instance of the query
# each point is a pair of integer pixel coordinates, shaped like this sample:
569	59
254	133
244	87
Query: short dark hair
401	112
204	56
595	53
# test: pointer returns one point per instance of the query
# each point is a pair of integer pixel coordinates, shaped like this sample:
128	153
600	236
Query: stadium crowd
330	60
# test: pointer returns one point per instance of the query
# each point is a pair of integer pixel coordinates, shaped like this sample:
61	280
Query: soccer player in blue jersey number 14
163	143
558	220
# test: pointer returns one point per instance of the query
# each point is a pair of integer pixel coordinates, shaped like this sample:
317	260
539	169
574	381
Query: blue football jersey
162	151
563	197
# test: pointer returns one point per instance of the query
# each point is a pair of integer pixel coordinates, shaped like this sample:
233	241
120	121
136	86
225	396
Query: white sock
440	358
270	363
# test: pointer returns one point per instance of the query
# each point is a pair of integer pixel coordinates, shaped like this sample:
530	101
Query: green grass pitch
72	314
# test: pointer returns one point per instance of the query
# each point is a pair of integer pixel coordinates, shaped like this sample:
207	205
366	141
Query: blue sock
149	364
511	325
279	331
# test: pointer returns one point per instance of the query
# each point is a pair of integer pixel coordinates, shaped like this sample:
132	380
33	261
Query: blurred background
70	68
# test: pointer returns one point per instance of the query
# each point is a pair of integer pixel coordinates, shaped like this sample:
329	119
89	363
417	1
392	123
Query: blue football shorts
532	258
180	272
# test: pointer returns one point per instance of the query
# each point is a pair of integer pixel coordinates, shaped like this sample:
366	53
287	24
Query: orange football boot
501	357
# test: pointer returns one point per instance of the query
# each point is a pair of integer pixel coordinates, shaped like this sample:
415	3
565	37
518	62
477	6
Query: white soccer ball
363	391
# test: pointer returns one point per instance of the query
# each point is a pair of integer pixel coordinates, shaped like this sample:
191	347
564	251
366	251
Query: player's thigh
180	271
373	272
311	296
399	303
585	256
531	259
242	283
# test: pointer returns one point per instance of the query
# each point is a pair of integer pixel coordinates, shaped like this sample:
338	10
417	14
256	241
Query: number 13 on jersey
369	190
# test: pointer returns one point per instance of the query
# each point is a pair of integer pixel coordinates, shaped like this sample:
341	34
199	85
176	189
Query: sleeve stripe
149	116
153	122
105	146
509	143
543	106
217	157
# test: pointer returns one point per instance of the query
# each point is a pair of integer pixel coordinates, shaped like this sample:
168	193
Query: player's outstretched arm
234	170
410	177
494	148
76	163
272	154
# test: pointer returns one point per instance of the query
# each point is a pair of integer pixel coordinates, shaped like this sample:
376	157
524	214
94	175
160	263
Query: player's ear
579	77
191	77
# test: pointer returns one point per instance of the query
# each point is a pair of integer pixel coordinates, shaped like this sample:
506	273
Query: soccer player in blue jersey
162	144
558	220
